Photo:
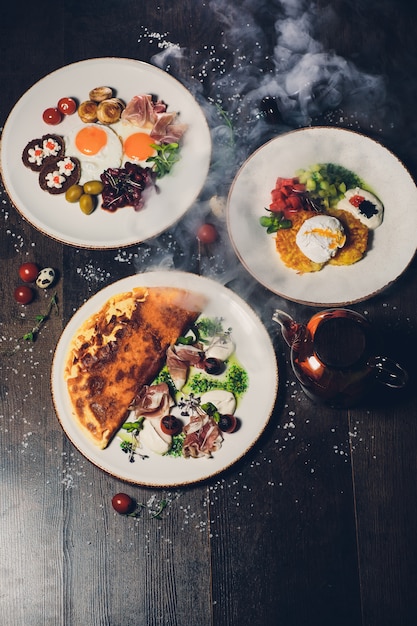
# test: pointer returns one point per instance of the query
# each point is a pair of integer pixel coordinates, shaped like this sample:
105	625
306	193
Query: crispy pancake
121	348
352	251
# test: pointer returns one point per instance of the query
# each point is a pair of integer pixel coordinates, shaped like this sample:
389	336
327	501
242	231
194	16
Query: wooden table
317	523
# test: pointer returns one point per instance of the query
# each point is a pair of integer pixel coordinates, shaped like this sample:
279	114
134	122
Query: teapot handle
388	372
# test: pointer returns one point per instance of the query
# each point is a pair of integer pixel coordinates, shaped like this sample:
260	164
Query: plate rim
266	283
176	277
35	223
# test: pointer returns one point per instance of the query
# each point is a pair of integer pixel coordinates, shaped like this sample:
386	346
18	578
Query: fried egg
136	142
97	147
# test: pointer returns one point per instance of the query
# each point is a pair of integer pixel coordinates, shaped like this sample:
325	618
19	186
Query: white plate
65	222
253	349
394	242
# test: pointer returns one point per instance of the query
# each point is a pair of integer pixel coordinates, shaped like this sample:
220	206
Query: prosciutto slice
153	401
142	111
202	437
179	359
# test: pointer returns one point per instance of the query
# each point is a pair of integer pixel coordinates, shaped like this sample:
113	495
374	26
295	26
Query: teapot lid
340	342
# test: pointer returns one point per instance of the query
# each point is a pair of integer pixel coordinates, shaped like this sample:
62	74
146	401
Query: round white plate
65	222
254	350
393	244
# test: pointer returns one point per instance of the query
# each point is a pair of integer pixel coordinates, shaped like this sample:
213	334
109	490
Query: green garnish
176	446
40	320
236	381
274	221
165	158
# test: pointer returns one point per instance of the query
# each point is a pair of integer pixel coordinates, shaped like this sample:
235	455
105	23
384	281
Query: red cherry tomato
28	272
207	233
67	106
23	294
228	423
170	425
123	504
52	116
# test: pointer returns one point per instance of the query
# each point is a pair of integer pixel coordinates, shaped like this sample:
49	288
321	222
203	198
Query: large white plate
65	222
394	242
253	349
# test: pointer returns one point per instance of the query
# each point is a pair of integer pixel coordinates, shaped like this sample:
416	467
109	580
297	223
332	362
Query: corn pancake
352	251
121	348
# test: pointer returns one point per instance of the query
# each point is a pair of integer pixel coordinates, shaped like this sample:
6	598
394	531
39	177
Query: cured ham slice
203	437
153	401
179	359
141	111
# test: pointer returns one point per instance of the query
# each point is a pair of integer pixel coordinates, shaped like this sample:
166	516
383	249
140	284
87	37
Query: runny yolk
90	140
138	146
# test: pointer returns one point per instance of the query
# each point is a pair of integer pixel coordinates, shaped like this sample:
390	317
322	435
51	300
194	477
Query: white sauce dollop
222	347
154	439
371	221
224	401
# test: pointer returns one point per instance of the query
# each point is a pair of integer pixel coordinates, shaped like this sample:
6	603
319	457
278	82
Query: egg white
92	166
124	129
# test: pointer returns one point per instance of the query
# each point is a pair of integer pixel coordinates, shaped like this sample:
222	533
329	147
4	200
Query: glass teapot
334	356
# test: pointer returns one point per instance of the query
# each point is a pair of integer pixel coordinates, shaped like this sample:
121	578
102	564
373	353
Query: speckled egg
45	277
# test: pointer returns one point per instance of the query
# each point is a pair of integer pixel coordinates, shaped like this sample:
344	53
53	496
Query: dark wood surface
317	523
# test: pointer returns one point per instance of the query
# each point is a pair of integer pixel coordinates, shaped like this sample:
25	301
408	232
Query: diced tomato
286	196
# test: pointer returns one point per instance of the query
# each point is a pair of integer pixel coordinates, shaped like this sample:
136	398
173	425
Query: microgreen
165	158
154	513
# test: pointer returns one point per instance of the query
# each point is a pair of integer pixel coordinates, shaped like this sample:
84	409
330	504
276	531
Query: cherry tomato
123	504
28	272
207	233
228	423
67	106
52	116
214	366
23	294
171	425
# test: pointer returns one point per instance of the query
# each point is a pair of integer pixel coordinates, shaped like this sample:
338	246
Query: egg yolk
138	146
90	140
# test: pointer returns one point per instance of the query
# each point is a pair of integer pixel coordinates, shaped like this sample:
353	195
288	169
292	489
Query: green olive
73	193
87	203
93	187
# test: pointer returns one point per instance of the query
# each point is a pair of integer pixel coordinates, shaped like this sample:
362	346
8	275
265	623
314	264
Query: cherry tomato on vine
207	233
28	272
67	106
23	294
123	504
171	425
52	116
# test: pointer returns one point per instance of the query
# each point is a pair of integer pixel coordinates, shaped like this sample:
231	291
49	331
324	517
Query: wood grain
316	523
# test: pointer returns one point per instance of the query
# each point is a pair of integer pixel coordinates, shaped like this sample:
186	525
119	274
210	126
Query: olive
73	193
93	187
214	366
269	109
87	203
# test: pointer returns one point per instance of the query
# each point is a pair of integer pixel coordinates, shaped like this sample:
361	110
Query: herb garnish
40	320
274	221
165	158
